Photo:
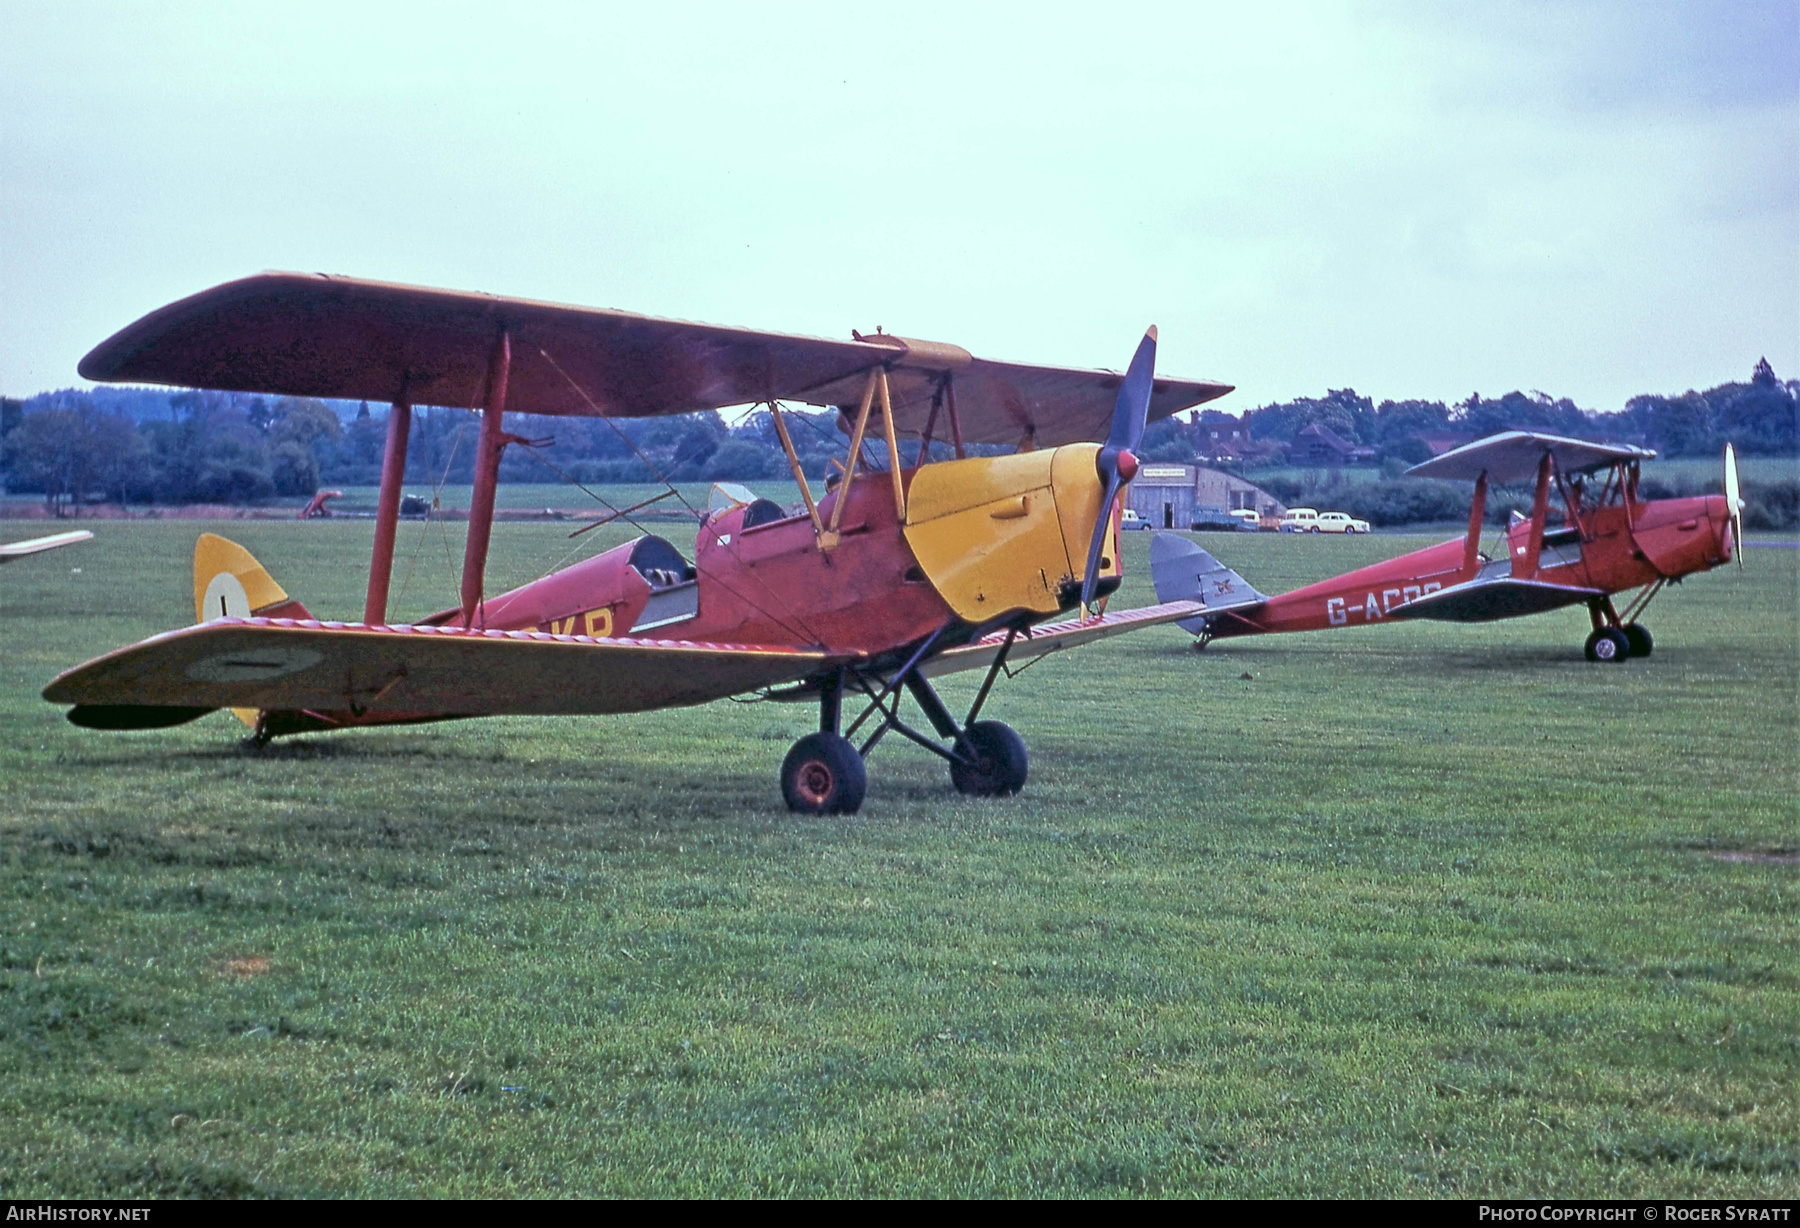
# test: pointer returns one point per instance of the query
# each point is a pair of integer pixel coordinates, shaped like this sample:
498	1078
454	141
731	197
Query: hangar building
1171	496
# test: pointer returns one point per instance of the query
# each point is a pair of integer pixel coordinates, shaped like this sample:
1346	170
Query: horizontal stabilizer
288	664
1183	571
1484	601
1054	637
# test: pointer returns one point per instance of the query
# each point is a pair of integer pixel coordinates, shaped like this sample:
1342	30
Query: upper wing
1054	637
297	664
18	550
1512	457
313	335
1484	601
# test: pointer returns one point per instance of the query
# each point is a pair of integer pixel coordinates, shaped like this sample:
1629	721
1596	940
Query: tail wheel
992	762
1608	645
1638	637
823	774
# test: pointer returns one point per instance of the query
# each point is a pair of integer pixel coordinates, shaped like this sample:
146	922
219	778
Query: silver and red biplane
1610	541
895	575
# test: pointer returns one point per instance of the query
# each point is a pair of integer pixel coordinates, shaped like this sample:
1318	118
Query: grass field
1413	911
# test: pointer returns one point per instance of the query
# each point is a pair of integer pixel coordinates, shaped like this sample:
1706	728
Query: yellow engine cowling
1003	533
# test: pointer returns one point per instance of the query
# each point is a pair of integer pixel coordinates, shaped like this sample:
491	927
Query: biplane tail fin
229	582
1182	571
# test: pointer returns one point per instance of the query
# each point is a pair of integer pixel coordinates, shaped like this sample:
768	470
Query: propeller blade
1132	409
1090	579
1734	503
1116	464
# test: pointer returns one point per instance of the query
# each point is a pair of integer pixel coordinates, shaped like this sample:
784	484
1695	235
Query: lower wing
1484	601
303	664
1055	637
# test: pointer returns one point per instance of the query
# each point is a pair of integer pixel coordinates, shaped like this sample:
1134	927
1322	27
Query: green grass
1415	910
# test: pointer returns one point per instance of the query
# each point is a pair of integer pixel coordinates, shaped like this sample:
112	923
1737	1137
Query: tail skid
1182	571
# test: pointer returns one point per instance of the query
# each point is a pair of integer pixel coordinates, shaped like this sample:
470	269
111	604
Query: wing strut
1525	558
1472	546
387	511
828	540
487	476
787	445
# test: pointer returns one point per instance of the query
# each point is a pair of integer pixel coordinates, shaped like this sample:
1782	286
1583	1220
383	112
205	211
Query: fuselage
980	542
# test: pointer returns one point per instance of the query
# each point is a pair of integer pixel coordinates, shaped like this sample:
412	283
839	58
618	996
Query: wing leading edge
303	334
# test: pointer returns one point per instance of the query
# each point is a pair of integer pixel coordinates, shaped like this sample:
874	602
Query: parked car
1340	522
1247	520
1310	520
1213	520
1129	519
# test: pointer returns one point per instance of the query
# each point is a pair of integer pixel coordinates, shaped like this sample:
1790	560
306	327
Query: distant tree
1170	441
74	453
741	460
1342	410
1518	411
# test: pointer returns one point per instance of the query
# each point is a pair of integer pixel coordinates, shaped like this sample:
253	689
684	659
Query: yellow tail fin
229	582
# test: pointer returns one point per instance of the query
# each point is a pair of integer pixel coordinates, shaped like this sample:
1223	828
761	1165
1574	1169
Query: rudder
1182	571
230	583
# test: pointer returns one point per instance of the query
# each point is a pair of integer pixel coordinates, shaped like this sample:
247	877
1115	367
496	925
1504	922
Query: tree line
137	445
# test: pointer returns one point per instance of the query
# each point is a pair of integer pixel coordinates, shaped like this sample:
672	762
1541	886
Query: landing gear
823	774
1637	635
991	761
1608	644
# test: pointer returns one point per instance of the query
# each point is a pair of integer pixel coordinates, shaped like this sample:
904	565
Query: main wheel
1637	635
1608	644
996	760
823	774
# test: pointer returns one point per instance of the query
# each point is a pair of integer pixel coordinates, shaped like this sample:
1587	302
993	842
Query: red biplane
1610	541
896	575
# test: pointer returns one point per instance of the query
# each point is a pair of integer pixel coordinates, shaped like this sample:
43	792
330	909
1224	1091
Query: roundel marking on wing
253	664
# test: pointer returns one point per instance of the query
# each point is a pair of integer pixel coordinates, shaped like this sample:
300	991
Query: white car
1129	519
1309	520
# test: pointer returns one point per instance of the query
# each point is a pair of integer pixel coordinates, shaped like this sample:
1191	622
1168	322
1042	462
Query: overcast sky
1416	200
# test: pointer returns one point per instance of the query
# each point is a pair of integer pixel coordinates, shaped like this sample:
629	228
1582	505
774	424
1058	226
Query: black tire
1608	645
999	762
823	774
1638	636
1314	529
